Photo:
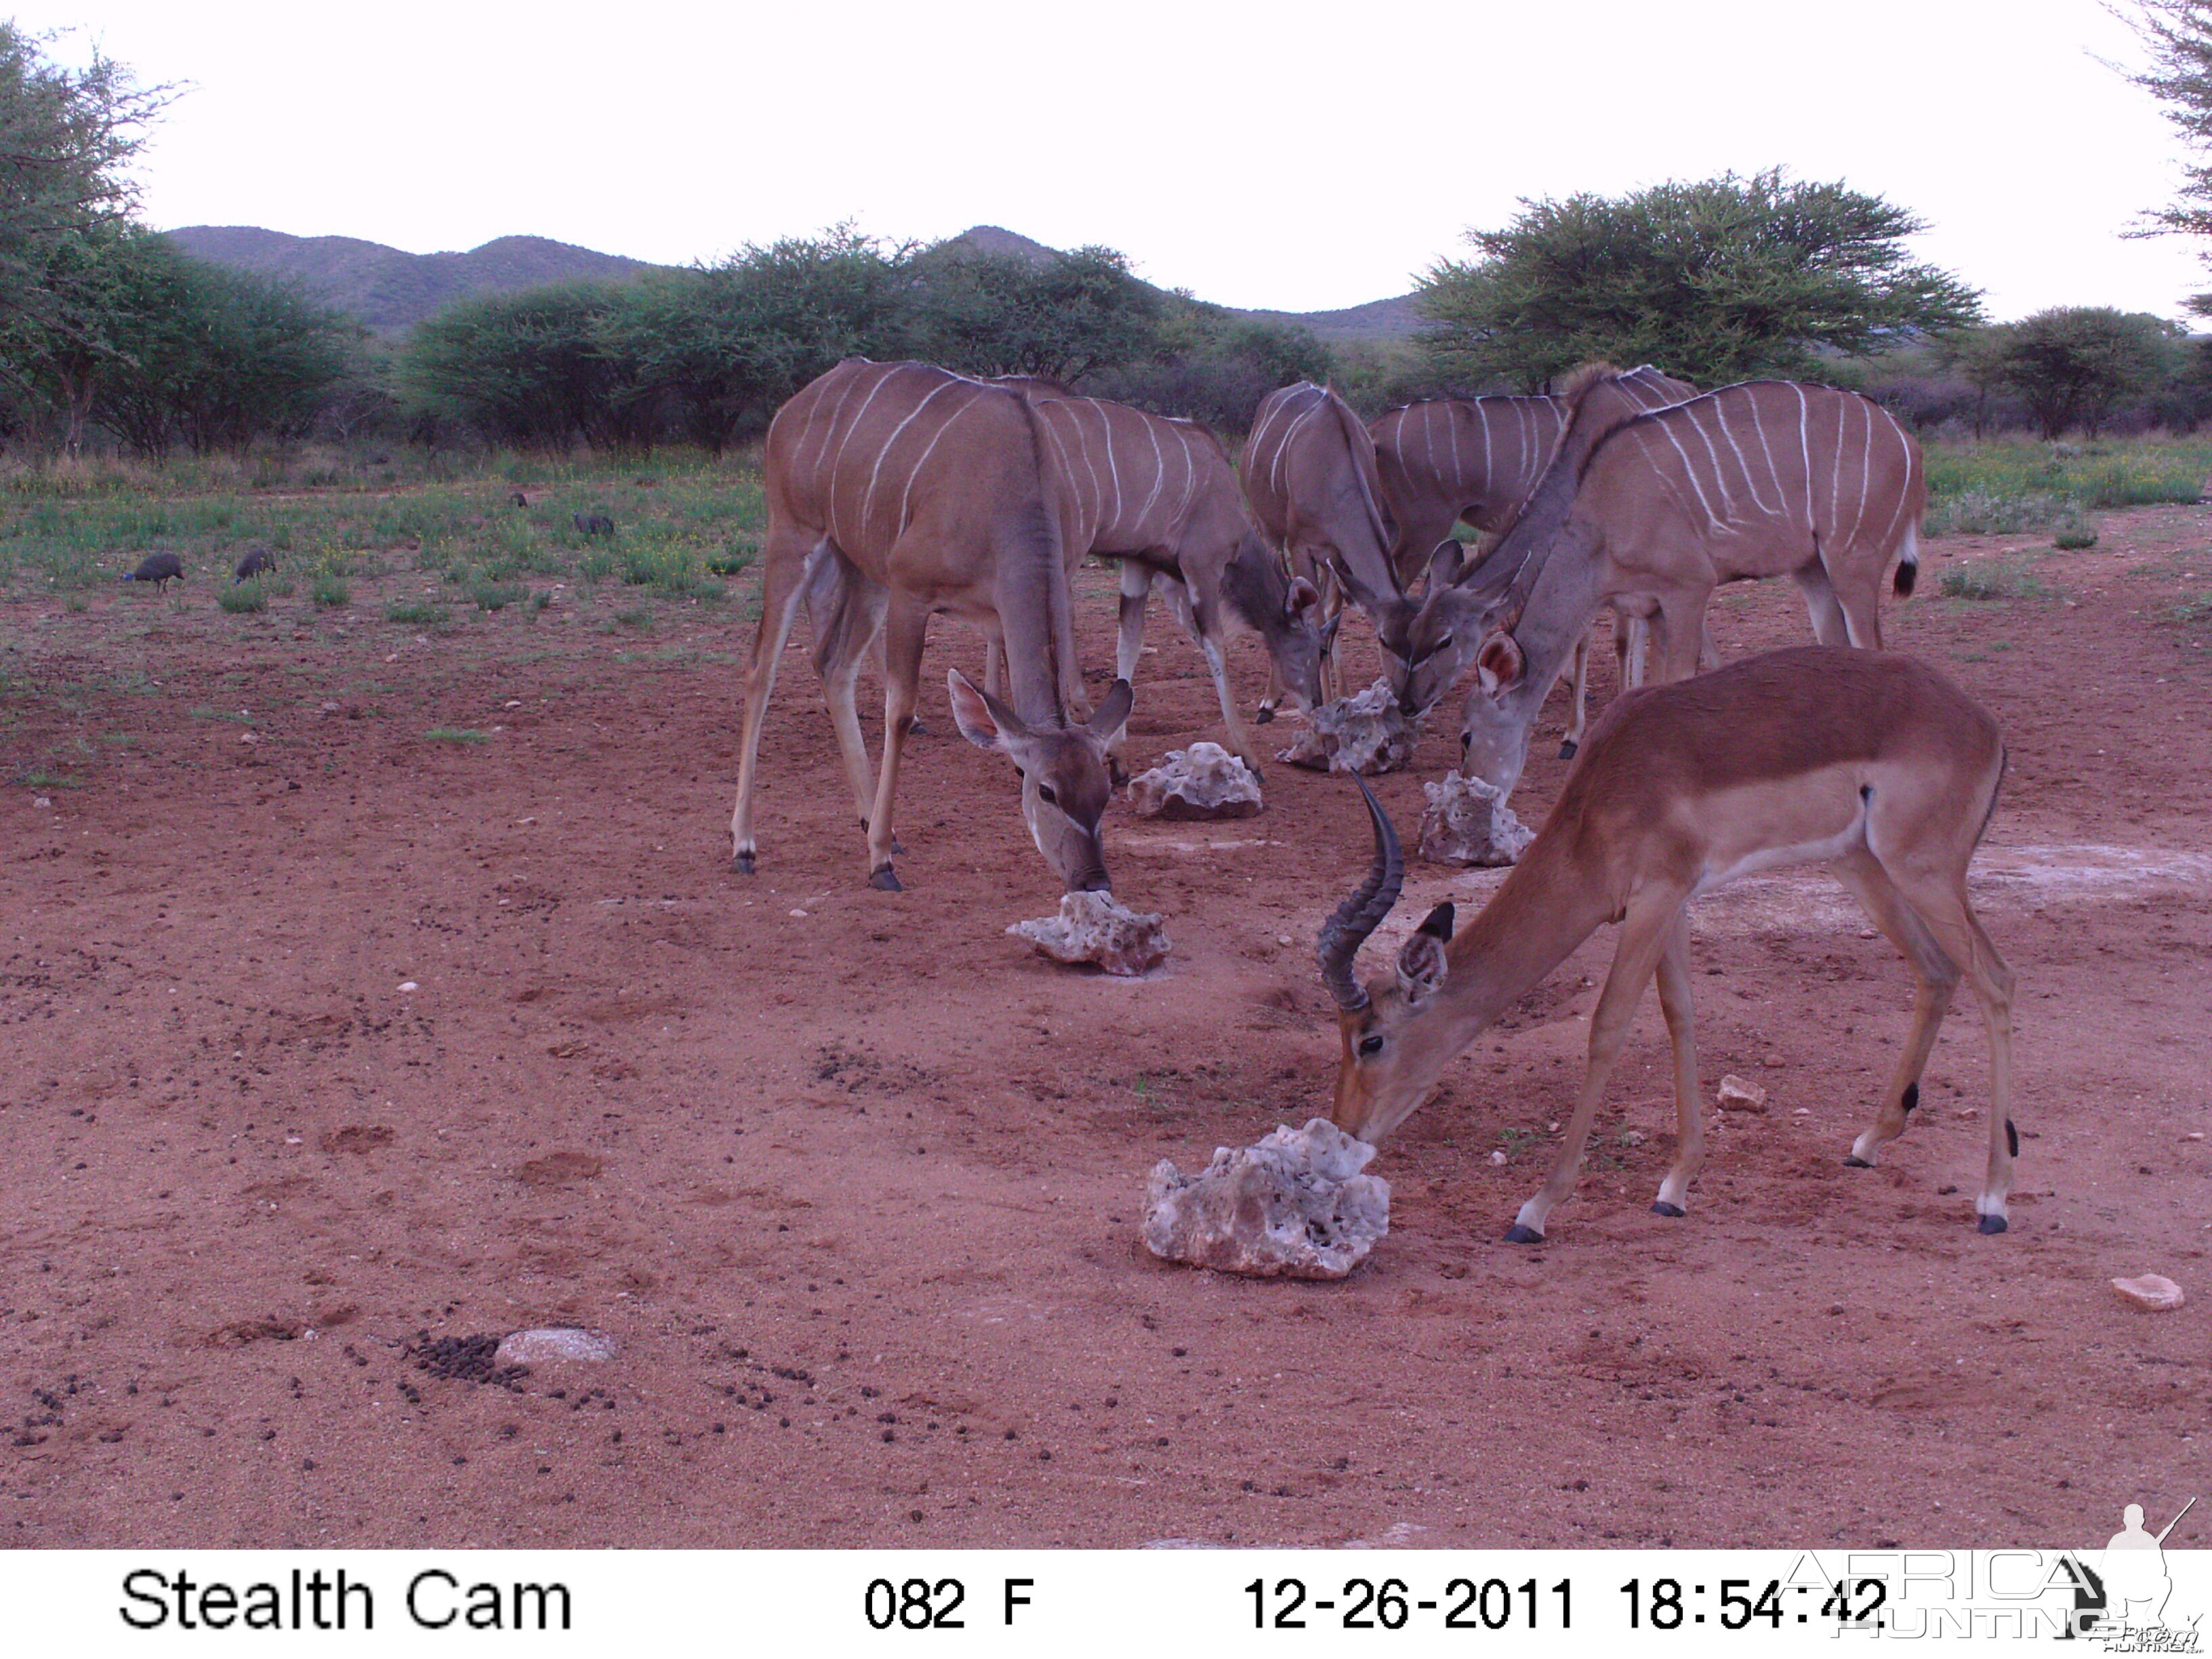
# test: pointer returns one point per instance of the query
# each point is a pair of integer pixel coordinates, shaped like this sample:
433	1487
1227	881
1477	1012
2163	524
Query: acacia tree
1716	281
2177	36
2072	364
1062	318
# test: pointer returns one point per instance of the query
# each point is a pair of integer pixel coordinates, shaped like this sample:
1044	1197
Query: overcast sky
1281	154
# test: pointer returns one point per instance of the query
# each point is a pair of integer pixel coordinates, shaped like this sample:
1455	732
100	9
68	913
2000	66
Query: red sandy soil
856	1189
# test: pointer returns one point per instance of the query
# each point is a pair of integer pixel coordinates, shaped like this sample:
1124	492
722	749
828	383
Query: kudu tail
1908	563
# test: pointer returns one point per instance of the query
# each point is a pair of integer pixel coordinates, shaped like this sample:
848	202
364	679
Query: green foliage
1062	319
242	598
2177	36
456	734
497	596
329	590
1206	363
532	368
1716	280
413	614
2074	535
733	563
1964	582
2073	363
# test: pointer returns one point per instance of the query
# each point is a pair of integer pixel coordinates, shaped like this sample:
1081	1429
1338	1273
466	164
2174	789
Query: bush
414	614
2074	535
733	563
242	597
497	596
330	590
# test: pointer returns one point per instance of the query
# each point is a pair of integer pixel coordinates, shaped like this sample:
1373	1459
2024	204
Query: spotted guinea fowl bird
157	569
592	524
256	561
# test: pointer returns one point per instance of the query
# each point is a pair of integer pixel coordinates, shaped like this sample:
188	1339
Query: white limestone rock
1295	1205
1095	927
1739	1094
1365	733
1202	781
1468	821
2152	1291
553	1344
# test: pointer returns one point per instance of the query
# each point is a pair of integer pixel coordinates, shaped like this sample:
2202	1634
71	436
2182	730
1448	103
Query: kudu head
1391	1057
1065	783
1298	640
1459	614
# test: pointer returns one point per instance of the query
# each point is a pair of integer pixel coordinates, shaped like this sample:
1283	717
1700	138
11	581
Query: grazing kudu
1309	473
1653	511
1874	764
1476	458
1160	495
931	492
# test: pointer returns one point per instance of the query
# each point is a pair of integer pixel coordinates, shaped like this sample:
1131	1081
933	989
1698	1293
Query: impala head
1391	1056
1065	784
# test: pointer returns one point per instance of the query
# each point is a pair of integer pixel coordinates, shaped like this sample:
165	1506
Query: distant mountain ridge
391	290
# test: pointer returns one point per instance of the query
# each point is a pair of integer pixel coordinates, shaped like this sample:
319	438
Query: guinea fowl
253	564
157	568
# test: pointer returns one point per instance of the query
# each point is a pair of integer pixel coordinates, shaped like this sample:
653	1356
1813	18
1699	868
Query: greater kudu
931	492
1874	764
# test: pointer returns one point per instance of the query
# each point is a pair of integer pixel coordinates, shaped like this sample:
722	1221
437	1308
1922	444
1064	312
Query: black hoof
898	847
1567	749
1990	1224
885	880
914	728
743	864
1265	717
1662	1207
1517	1234
1855	1162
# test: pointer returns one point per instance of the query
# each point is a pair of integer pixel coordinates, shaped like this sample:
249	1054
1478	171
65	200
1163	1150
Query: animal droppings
2151	1292
1202	781
1094	928
1468	821
1295	1205
554	1344
1738	1096
1365	733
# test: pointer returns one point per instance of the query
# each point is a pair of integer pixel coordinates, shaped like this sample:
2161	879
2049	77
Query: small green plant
597	565
1961	583
455	734
414	614
733	563
330	591
539	598
39	778
242	598
633	618
2196	609
2073	535
497	596
237	717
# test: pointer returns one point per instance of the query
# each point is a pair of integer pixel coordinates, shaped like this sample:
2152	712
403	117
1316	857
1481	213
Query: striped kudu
1160	495
1448	459
1872	764
1309	473
1650	512
923	491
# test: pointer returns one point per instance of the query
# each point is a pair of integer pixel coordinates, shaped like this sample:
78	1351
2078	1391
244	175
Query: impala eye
1045	794
1371	1043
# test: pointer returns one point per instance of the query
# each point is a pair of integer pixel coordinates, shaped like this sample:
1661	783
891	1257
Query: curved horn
1343	934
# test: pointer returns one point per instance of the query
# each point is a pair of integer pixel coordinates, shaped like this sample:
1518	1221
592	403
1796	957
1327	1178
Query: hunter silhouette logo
2121	1604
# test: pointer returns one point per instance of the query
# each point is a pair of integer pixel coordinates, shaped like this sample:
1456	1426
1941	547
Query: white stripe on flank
1066	470
1836	467
1865	467
1666	426
1189	475
822	452
1720	414
1159	471
906	496
1805	450
837	462
1482	408
1689	412
1289	438
1455	424
1097	490
1781	490
1113	469
1904	485
1429	437
1644	448
868	496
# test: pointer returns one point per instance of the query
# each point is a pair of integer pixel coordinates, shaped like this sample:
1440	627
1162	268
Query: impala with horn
929	491
1872	764
1656	509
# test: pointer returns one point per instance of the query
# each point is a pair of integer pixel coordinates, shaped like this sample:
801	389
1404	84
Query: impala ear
1499	663
1422	964
1113	710
1446	565
982	718
1304	595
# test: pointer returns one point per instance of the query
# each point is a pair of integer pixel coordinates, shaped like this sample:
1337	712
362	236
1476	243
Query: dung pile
1202	781
1468	821
1365	733
1094	928
1295	1205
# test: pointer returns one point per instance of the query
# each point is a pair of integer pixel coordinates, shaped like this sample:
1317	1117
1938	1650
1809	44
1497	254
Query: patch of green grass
330	591
733	563
38	778
2192	611
497	596
414	615
2074	535
237	718
2007	487
456	734
242	598
1991	581
634	618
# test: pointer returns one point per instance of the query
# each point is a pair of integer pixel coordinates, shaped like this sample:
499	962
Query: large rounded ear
1446	565
1304	595
1113	710
982	718
1422	964
1499	663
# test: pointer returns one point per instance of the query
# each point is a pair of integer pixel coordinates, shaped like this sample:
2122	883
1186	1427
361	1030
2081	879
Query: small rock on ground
1202	781
1740	1095
1295	1205
2152	1291
1365	733
552	1344
1468	821
1095	927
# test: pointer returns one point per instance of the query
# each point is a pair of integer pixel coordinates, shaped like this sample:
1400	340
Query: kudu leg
906	630
1644	938
1136	583
1674	1001
994	667
1821	607
1935	977
848	615
1204	620
783	585
1679	631
1578	688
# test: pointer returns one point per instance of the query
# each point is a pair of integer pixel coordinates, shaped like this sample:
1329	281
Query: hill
390	289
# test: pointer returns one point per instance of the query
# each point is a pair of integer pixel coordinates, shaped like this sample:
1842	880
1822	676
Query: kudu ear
1422	964
1329	630
1499	663
1304	595
1446	565
1113	710
982	718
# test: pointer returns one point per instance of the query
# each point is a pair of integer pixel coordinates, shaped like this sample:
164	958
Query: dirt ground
855	1180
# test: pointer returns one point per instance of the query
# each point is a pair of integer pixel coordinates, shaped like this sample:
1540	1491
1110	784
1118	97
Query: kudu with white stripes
1872	764
1310	472
1653	511
927	491
1448	459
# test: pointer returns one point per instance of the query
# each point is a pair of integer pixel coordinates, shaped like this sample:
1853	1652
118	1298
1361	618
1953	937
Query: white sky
1282	155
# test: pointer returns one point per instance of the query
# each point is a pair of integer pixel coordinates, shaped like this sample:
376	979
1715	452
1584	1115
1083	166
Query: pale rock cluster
1202	781
1294	1206
1096	929
1366	733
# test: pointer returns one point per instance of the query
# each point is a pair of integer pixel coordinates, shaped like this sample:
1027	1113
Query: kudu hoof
743	864
1517	1234
1853	1161
1568	749
1990	1224
914	728
1264	716
1662	1207
886	880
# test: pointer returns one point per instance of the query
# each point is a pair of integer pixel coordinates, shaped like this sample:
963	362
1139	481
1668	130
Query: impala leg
1674	1001
1643	936
783	585
1936	977
906	630
1578	684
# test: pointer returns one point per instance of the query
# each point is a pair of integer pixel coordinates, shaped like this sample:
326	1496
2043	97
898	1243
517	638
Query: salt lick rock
555	1343
1202	781
1739	1096
1095	927
1295	1205
2152	1291
1364	733
1468	821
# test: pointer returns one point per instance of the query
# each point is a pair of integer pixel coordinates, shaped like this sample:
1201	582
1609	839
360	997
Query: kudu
1309	473
1160	495
930	492
1872	764
1655	510
1448	459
